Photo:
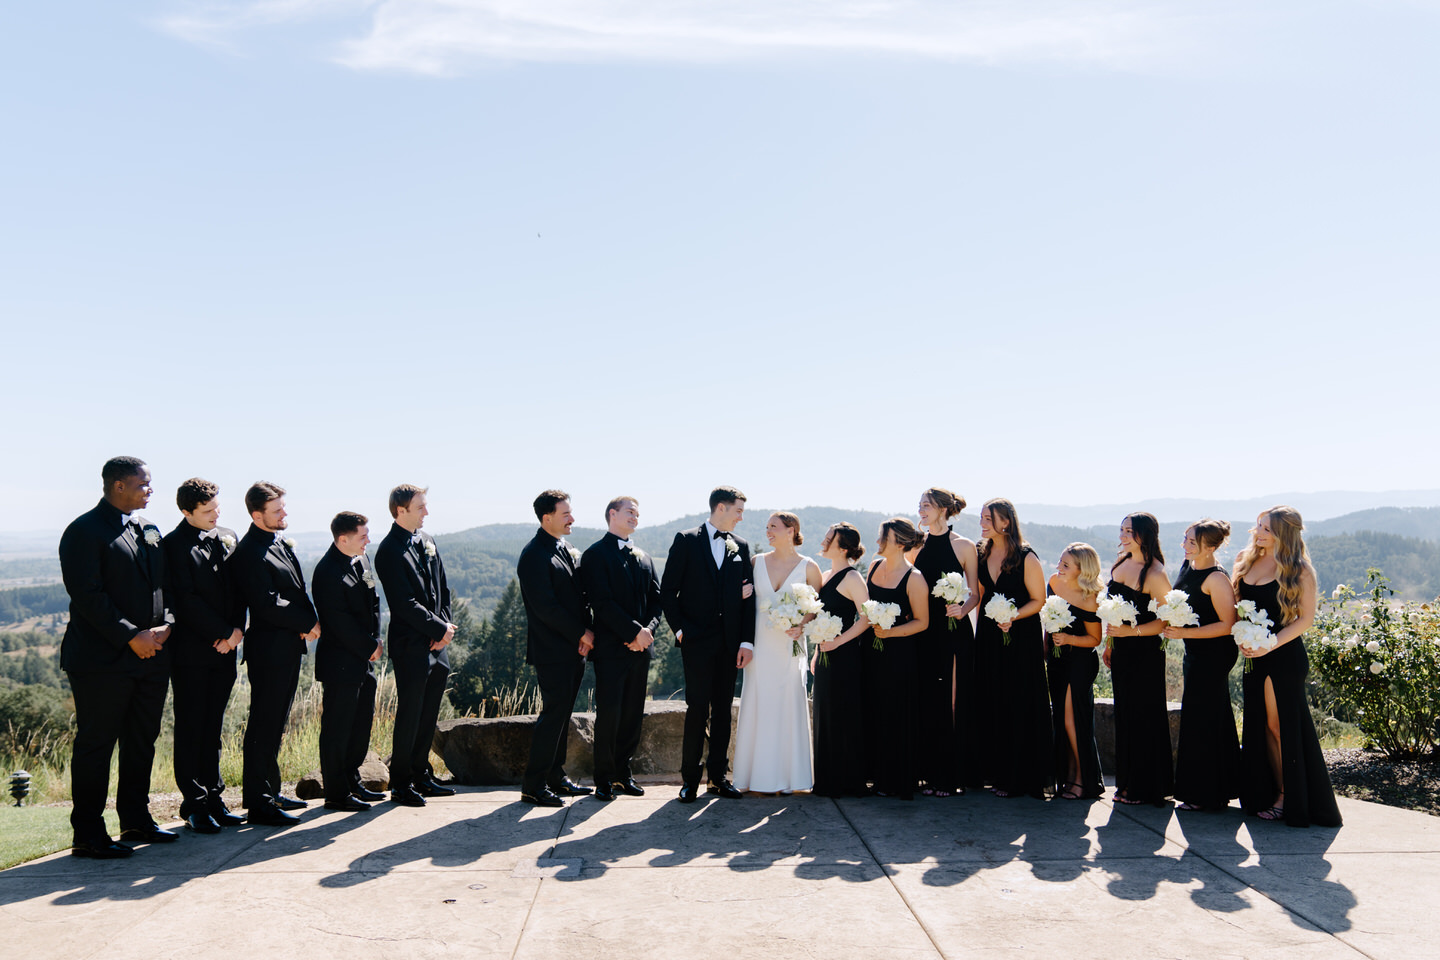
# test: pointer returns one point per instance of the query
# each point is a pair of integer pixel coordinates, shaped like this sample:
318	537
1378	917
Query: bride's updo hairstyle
847	537
792	523
902	533
948	501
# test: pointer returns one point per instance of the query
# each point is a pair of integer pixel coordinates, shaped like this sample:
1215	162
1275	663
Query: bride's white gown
772	734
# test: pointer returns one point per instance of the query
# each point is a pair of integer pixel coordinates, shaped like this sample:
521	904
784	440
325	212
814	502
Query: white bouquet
1113	612
795	603
952	588
1055	616
825	627
1252	630
1001	609
1175	611
882	615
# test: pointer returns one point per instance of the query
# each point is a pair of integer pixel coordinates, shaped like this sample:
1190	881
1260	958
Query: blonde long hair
1087	558
1292	558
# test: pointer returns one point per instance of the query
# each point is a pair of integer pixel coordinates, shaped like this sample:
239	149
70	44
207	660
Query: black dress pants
202	692
109	709
272	691
348	710
419	688
709	694
559	684
620	684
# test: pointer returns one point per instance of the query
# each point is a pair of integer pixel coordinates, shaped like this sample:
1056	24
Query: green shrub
35	721
1379	663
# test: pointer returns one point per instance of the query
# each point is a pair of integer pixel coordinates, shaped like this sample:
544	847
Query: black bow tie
720	535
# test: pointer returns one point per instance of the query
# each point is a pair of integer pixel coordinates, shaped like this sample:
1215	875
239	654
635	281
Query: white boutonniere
429	548
574	554
731	547
368	578
638	554
227	541
151	533
290	542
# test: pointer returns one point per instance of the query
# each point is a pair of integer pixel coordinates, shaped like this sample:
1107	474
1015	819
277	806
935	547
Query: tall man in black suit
708	593
345	656
282	621
624	597
209	625
557	641
115	656
420	631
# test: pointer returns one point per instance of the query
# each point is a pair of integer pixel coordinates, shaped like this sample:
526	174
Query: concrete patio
482	875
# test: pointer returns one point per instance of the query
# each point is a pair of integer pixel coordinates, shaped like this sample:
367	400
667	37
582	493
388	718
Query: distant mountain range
1403	541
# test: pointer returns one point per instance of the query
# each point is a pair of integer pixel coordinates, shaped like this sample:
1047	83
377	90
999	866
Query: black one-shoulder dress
838	704
1072	670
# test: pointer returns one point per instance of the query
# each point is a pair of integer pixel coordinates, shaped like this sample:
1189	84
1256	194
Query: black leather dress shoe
688	793
289	803
723	788
270	816
151	833
604	793
363	793
106	849
202	823
227	819
349	804
569	788
628	787
407	797
545	798
429	788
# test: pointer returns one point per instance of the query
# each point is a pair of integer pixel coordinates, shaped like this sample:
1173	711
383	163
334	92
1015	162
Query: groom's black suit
349	611
115	579
413	576
705	603
270	581
207	608
624	595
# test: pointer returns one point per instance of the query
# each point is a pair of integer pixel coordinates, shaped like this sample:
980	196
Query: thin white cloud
445	36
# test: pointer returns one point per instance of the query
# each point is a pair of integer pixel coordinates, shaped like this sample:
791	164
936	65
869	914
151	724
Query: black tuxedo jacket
554	602
116	580
623	594
349	611
199	585
272	586
413	576
704	602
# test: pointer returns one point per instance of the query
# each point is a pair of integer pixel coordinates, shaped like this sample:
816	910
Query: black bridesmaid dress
896	711
1207	760
1072	670
837	703
1308	795
1144	763
945	661
1018	726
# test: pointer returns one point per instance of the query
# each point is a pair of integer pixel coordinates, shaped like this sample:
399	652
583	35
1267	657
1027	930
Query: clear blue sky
831	253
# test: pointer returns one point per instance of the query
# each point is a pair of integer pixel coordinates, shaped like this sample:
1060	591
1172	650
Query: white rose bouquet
1113	612
1175	611
952	588
882	615
795	603
1001	609
1055	617
1252	631
825	627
